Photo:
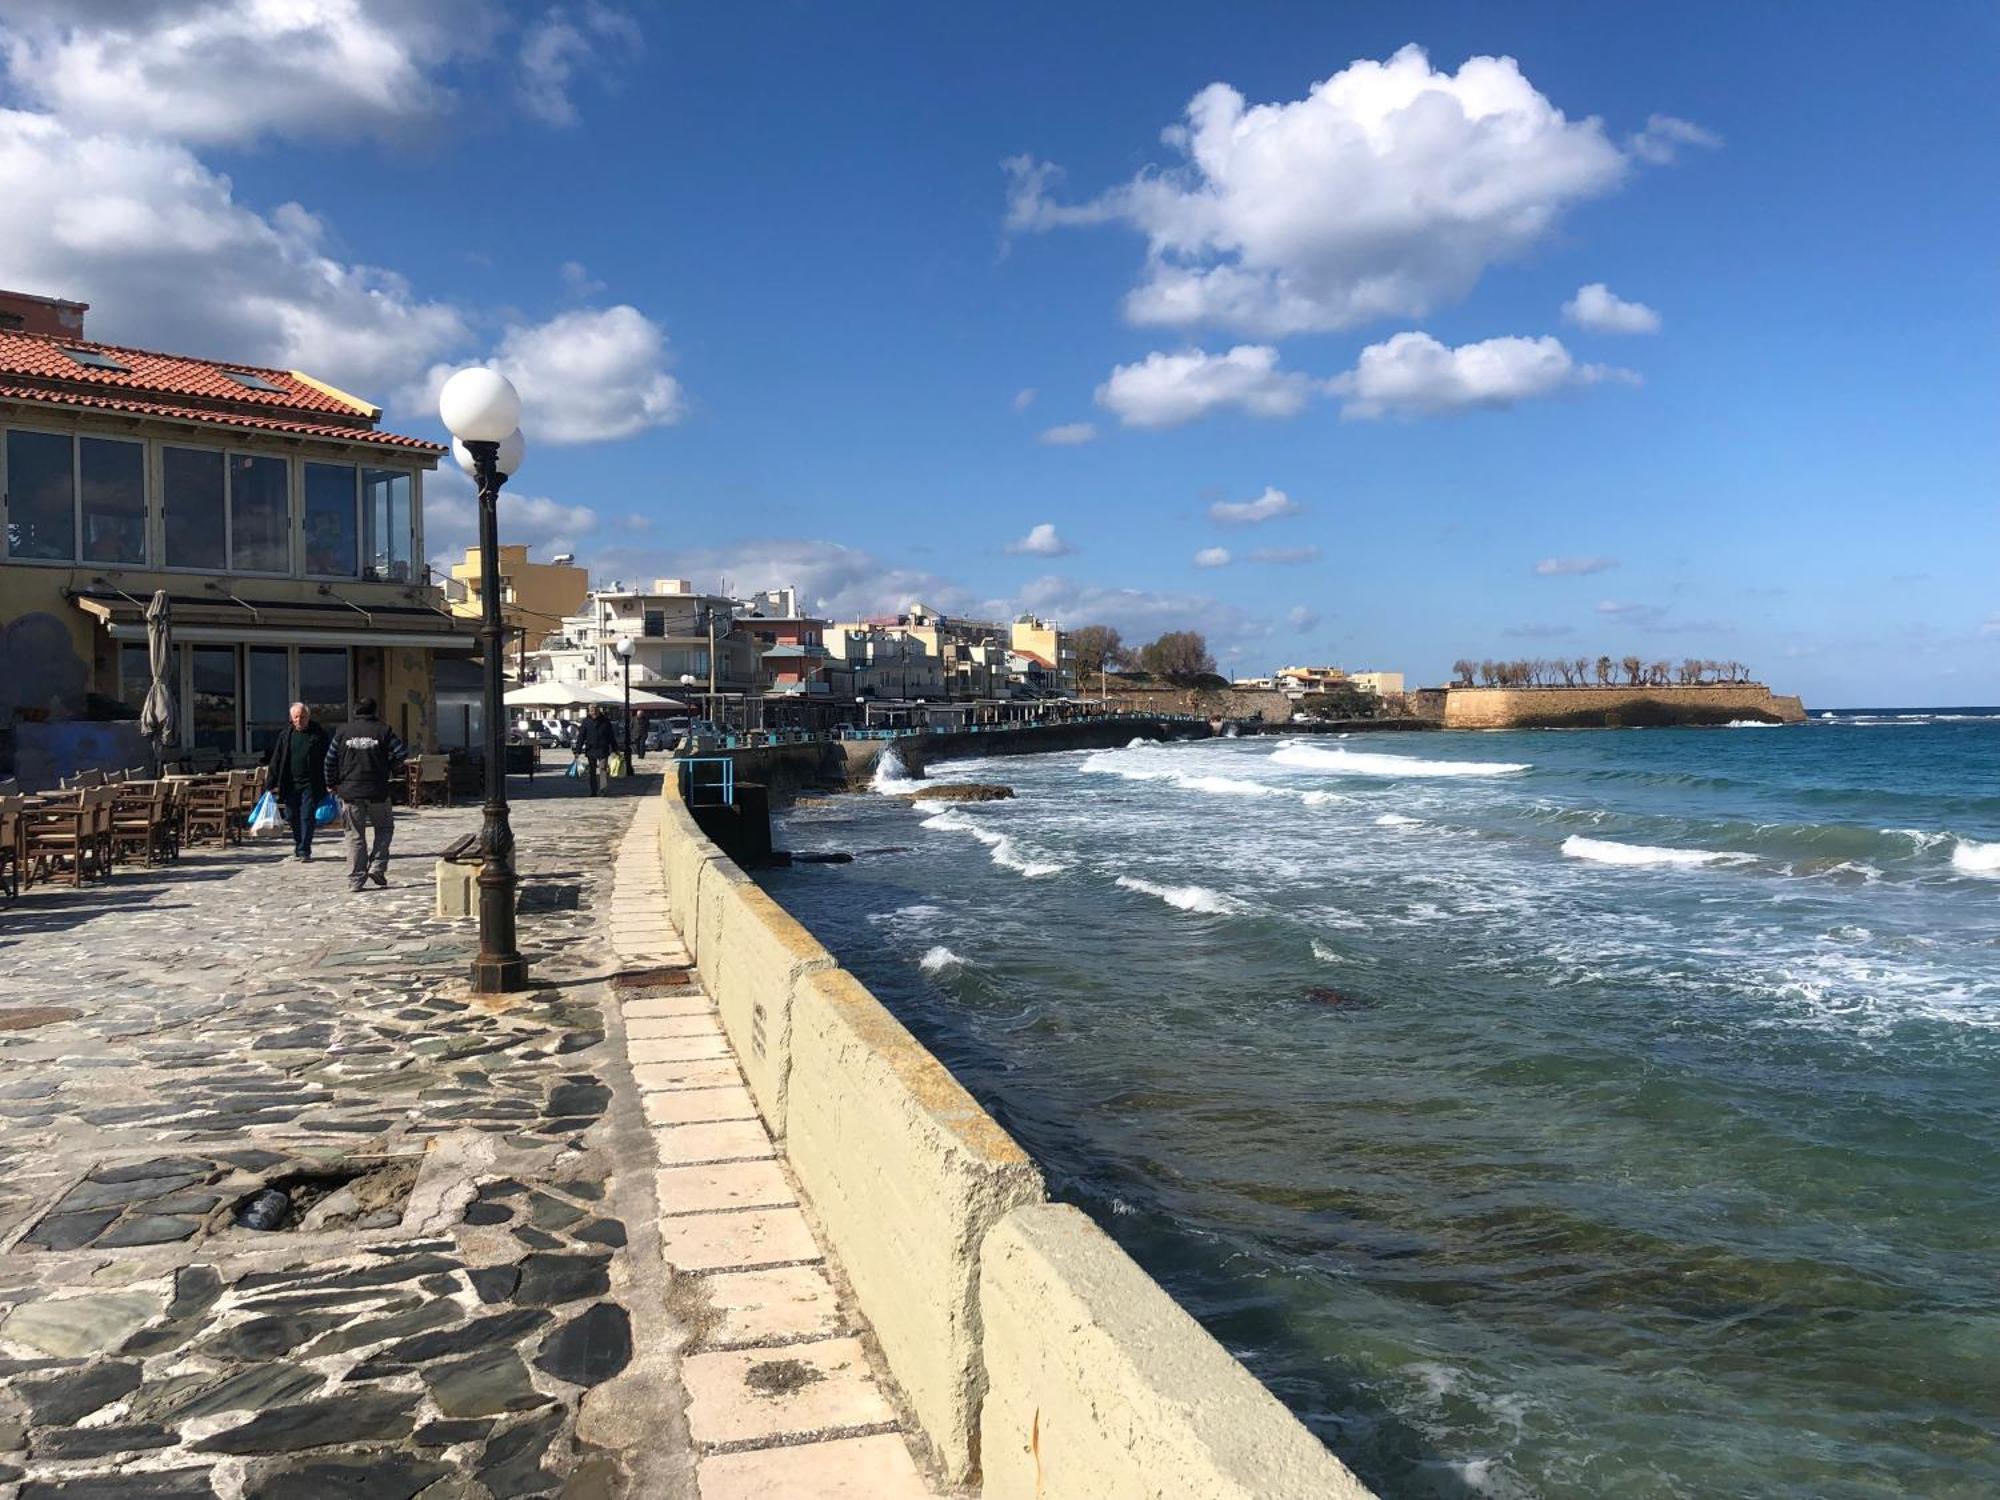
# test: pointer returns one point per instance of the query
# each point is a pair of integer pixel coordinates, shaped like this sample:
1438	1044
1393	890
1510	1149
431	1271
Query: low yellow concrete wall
1022	1338
906	1173
1099	1387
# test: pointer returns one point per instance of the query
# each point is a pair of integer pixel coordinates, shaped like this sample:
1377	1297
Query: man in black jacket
363	760
298	775
595	741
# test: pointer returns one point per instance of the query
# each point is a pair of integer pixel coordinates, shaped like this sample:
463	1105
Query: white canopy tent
583	695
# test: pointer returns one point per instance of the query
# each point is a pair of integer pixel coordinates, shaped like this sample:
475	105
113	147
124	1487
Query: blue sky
774	301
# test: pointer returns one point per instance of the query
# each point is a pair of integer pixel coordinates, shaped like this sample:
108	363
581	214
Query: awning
210	619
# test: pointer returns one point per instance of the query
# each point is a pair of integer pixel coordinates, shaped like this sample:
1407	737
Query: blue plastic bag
264	816
327	810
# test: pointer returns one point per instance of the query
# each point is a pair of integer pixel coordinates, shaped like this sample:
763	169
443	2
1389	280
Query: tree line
1579	671
1177	655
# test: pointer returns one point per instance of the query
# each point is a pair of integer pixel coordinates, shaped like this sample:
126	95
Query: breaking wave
1000	847
1604	852
1372	763
1197	898
938	959
891	776
1970	857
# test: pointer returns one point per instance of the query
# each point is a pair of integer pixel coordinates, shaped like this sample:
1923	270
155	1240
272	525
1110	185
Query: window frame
304	572
292	512
77	440
7	499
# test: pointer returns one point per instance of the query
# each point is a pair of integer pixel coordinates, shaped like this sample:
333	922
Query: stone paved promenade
471	1303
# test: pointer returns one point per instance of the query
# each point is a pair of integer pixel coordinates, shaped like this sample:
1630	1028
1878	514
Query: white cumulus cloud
1041	541
1601	310
1385	192
1574	567
1212	557
1068	435
1413	375
1268	506
589	376
1165	390
451	520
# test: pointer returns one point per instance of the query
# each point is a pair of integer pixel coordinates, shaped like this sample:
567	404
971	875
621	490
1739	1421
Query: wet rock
370	1417
491	1382
549	1279
964	791
69	1398
590	1348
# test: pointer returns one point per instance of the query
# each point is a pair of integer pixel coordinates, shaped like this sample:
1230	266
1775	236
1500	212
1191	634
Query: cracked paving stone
550	1279
89	1194
70	1398
71	1231
505	1327
369	1417
445	1434
491	1382
148	1229
383	1475
590	1348
99	1442
511	1466
268	1337
495	1283
420	1319
255	1389
156	1484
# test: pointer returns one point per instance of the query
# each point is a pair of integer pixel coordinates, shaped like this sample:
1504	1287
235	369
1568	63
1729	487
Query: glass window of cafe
74	499
237	698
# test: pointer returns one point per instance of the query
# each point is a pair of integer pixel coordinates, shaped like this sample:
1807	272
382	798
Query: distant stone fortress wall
1606	707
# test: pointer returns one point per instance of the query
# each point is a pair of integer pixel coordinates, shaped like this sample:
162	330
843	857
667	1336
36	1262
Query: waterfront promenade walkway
471	1299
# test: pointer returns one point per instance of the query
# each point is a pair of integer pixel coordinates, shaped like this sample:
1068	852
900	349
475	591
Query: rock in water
965	791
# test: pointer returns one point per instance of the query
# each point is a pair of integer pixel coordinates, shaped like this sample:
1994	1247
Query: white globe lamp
479	405
506	463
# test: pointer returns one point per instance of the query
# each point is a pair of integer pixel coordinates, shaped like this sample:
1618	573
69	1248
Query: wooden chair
142	822
114	778
72	836
82	779
10	847
206	809
427	778
245	787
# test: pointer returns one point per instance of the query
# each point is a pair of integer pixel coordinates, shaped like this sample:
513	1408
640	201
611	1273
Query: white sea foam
917	912
1324	799
1604	852
1396	820
938	959
1001	848
1369	763
1142	761
891	776
1970	857
1751	724
1226	786
1196	898
1919	839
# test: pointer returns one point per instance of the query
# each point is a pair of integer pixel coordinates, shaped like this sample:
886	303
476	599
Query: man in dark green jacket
298	776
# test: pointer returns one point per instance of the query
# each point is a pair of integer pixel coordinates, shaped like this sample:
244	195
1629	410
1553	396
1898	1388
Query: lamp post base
499	975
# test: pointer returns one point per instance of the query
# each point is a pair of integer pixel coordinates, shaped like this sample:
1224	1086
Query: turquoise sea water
1555	1114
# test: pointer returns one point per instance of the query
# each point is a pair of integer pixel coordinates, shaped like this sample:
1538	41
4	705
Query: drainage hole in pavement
356	1194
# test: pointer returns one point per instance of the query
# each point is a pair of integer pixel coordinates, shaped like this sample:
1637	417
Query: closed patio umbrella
156	715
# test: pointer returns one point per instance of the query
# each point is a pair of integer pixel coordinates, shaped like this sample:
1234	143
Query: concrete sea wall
1595	707
1039	1360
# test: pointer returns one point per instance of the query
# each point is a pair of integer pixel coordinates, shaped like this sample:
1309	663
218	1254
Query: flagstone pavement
536	1245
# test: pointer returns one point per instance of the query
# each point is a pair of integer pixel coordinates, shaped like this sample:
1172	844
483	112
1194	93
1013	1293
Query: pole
628	712
499	967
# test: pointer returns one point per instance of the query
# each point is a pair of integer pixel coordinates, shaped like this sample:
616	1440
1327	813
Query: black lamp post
624	650
483	411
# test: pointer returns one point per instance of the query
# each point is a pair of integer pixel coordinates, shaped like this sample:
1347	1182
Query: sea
1537	1113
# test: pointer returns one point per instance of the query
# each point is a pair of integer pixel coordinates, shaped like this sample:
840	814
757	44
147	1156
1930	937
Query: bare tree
1632	670
1462	671
1604	670
1487	674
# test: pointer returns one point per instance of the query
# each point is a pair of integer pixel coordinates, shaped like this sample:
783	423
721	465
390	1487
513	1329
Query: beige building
534	597
1382	684
1047	647
1297	682
286	527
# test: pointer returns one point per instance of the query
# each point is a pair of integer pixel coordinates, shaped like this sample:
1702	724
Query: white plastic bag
264	817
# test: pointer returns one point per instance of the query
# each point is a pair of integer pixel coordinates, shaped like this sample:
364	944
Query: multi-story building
1046	646
791	646
970	656
283	524
1384	685
534	597
1297	682
683	643
880	663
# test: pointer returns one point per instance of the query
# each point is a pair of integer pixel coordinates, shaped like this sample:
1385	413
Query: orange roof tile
34	367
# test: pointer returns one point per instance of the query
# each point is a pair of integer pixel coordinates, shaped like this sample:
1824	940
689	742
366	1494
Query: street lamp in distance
482	410
624	650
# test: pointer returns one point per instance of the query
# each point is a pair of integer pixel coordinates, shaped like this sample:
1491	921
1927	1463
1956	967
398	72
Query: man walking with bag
595	742
362	762
298	775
